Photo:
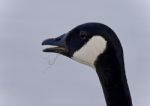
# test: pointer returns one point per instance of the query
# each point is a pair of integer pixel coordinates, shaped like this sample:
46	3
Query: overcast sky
27	79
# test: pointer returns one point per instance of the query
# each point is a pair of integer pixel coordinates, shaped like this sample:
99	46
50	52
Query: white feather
90	51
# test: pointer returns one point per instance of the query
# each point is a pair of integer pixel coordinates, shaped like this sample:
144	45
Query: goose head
85	43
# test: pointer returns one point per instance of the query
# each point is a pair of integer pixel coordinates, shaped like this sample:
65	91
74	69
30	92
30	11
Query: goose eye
83	35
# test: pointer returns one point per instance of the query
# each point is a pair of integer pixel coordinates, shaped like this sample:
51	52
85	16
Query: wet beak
59	43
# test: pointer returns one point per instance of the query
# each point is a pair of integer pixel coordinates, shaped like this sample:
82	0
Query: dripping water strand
51	63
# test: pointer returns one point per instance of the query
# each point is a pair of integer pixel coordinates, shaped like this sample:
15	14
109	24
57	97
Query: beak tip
42	43
48	41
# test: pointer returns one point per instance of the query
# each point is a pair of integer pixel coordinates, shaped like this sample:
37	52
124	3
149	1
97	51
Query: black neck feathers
111	72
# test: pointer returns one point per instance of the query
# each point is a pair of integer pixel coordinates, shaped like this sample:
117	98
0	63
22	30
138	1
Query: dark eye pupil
83	35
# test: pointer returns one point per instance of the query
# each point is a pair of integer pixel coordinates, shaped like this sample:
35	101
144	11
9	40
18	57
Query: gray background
27	79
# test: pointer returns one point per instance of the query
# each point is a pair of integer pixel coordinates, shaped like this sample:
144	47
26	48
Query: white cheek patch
90	51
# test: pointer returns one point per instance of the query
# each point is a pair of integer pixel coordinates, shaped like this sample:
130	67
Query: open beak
59	43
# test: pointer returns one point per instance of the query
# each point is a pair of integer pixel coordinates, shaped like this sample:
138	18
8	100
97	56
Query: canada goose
97	45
